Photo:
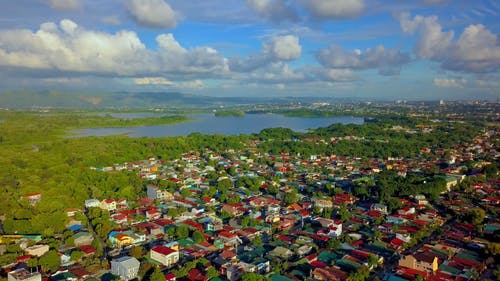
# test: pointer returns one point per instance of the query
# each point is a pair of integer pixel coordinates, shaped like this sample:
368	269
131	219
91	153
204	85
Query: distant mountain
58	99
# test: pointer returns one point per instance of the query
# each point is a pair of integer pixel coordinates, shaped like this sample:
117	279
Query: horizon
419	50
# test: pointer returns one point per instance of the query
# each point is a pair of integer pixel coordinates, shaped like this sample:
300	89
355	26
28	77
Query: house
232	209
229	239
83	238
423	261
154	192
421	200
92	203
281	252
33	198
64	276
379	208
108	204
329	274
126	267
322	203
37	250
22	274
164	255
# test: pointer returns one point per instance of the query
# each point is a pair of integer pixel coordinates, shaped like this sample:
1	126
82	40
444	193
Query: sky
367	49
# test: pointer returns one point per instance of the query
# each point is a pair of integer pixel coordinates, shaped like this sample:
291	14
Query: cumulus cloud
433	42
450	82
64	5
277	72
388	62
276	49
283	47
67	47
152	13
335	9
152	81
476	50
273	10
339	75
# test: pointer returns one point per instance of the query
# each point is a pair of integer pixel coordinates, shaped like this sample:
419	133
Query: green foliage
136	252
251	276
257	241
211	273
157	275
50	261
197	236
229	113
182	231
475	216
76	255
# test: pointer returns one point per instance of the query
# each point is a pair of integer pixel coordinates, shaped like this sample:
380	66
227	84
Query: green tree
50	262
476	216
182	231
344	213
251	276
257	241
136	252
76	255
197	236
157	275
211	273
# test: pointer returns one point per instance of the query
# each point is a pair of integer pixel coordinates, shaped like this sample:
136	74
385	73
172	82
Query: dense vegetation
229	113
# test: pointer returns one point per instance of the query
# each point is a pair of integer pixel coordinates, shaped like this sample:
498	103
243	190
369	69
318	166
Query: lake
209	124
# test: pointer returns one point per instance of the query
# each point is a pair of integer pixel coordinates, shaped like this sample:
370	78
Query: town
240	214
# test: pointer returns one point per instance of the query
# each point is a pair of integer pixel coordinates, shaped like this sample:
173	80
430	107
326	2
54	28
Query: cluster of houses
306	236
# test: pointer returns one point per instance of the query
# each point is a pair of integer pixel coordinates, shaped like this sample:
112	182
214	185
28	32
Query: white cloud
273	10
387	61
450	82
433	42
152	81
476	50
65	5
335	9
276	49
152	13
283	47
68	47
338	75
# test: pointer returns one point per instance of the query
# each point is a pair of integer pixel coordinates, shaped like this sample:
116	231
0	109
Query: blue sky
370	49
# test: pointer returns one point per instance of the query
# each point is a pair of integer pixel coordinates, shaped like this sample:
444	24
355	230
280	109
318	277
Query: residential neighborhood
218	215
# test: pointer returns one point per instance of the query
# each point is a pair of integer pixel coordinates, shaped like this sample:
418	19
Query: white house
126	267
164	255
91	203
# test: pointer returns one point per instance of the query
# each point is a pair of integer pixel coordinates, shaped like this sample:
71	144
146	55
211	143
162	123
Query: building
424	261
164	255
22	274
108	204
37	250
33	198
92	203
154	192
83	238
126	267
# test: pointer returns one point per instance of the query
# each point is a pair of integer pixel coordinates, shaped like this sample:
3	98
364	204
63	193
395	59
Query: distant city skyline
371	49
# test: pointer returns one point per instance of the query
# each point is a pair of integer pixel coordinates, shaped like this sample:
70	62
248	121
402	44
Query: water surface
209	124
